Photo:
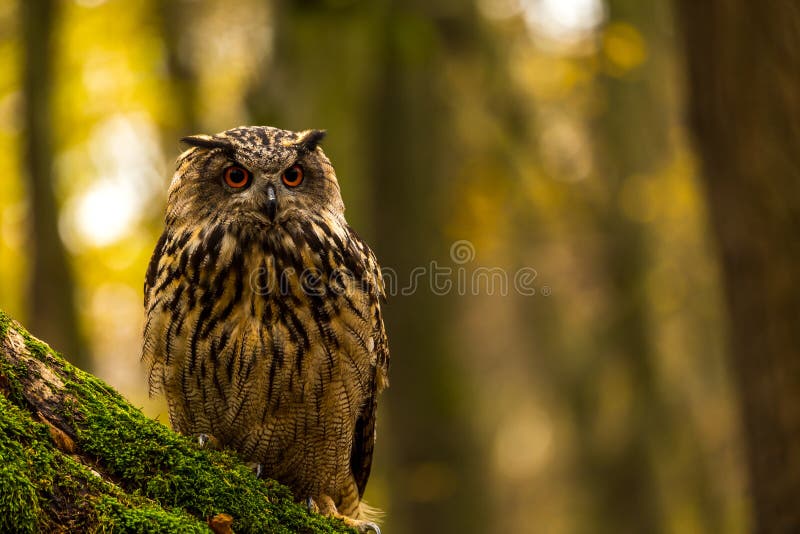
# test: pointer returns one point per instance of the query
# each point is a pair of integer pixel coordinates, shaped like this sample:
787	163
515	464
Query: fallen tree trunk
77	457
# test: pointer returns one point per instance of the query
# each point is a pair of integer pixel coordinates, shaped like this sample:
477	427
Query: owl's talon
207	441
360	525
257	468
311	505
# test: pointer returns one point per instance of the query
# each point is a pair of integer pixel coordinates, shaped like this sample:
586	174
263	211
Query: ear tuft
310	139
207	141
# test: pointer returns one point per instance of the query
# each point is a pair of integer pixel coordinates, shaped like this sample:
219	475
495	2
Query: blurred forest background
555	137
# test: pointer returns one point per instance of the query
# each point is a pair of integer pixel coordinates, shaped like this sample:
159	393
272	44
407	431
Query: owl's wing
363	443
364	438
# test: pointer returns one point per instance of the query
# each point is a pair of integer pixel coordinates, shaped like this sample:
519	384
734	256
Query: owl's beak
272	202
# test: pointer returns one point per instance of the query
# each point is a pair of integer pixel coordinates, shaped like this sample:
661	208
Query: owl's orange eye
293	176
237	177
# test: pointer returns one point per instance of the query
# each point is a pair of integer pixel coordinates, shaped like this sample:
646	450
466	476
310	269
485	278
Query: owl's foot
327	507
208	441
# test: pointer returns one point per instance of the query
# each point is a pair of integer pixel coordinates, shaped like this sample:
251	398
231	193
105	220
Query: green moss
153	479
37	348
18	498
5	322
115	515
29	475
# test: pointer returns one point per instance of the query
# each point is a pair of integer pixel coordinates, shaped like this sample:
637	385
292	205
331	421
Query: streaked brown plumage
264	325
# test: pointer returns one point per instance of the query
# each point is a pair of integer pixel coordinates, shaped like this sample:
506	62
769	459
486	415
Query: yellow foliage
624	47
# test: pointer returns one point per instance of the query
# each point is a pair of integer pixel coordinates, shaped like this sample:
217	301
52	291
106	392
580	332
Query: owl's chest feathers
288	314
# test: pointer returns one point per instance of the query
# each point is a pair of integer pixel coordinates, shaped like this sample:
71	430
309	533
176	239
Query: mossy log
77	457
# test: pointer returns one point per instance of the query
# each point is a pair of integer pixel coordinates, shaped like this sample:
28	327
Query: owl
263	315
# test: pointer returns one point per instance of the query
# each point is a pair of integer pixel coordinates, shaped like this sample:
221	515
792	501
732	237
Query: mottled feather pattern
268	334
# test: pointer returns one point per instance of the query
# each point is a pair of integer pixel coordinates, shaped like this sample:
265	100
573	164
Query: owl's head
255	175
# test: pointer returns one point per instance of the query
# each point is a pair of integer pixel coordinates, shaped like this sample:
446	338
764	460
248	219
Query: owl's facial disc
272	202
260	175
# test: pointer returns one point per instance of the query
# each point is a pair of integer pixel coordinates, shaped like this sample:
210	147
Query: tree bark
743	73
51	300
76	457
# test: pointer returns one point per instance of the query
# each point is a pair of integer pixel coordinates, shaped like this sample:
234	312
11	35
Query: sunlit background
546	133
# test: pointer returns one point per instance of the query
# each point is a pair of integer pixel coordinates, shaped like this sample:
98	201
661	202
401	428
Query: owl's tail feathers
369	513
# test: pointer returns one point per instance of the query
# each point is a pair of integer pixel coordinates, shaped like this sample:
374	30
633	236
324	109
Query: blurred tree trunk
174	20
51	301
743	66
374	78
631	142
413	147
